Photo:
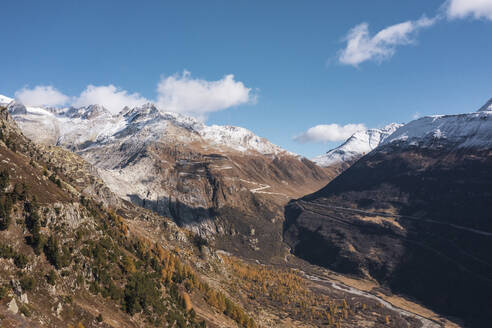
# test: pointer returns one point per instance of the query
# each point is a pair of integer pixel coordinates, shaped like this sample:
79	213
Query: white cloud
329	132
196	97
464	8
362	47
176	93
109	96
41	95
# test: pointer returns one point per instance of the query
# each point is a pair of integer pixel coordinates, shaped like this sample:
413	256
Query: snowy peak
487	107
473	130
139	114
356	146
240	139
367	140
469	130
87	112
232	137
5	100
92	125
16	108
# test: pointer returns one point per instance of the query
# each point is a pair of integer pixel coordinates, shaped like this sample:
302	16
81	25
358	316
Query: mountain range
258	236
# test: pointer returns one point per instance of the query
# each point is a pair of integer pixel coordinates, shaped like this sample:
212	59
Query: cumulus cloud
177	93
361	46
465	8
41	95
197	97
329	132
109	96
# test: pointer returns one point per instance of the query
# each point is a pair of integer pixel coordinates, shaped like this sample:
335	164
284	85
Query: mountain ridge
469	130
357	145
236	138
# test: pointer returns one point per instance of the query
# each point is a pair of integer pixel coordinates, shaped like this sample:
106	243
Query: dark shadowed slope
415	214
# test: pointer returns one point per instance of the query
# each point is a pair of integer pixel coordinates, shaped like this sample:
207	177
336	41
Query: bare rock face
24	299
12	306
59	309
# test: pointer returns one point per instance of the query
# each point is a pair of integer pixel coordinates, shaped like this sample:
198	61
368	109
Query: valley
246	164
347	254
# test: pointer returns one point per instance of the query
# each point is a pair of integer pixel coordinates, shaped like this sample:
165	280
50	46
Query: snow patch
5	100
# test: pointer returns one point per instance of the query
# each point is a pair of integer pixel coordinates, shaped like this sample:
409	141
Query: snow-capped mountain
487	106
461	130
5	100
81	127
357	145
472	130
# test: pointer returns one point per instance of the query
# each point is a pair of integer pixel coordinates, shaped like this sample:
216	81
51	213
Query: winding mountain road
261	187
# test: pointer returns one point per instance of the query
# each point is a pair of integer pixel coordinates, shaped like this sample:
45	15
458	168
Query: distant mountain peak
140	113
360	143
87	112
16	108
4	100
487	107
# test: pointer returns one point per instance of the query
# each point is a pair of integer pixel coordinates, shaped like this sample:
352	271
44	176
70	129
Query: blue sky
285	54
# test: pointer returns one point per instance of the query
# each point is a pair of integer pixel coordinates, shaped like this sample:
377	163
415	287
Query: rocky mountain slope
68	260
359	144
414	214
223	182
